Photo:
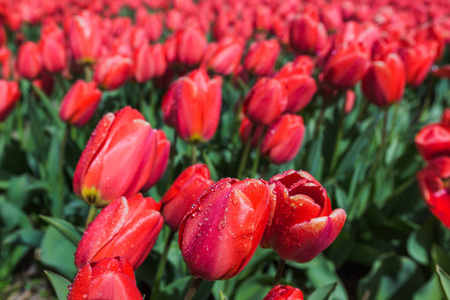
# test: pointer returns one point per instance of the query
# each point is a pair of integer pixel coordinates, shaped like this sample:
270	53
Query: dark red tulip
249	130
283	139
109	278
183	193
384	81
80	103
348	66
126	227
219	235
266	101
307	34
284	292
302	223
117	160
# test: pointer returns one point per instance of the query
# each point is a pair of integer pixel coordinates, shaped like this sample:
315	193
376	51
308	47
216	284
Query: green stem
88	72
320	120
173	151
193	288
91	215
244	157
380	153
258	153
194	154
339	135
161	266
280	269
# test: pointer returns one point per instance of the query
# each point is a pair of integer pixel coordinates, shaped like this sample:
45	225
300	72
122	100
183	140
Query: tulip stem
339	134
194	154
244	157
173	150
161	266
91	215
193	288
88	73
258	153
280	269
380	153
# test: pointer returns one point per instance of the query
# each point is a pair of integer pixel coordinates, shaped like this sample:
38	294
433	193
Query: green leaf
419	242
59	283
58	252
440	257
177	289
67	229
12	216
391	277
27	236
324	292
444	279
430	290
256	287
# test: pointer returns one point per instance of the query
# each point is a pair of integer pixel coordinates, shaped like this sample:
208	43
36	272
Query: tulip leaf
444	280
57	252
59	283
27	236
255	287
440	257
430	290
177	289
391	277
419	242
67	229
324	292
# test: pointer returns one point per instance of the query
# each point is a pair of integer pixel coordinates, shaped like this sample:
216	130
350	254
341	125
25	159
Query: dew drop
221	225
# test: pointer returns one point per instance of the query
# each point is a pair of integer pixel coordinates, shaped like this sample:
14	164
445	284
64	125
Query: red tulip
183	193
126	227
152	23
436	191
442	72
117	159
284	292
307	34
80	103
302	223
331	17
113	70
109	278
434	140
418	60
186	47
9	95
299	89
192	105
348	66
52	48
261	57
266	101
29	61
225	56
384	81
219	235
161	159
85	38
283	139
149	62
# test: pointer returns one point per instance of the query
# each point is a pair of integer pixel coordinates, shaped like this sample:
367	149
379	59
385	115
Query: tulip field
225	149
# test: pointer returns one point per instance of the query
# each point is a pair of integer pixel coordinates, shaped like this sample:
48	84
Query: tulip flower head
117	160
192	106
284	292
109	278
219	235
434	140
183	193
302	223
9	95
80	103
129	228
